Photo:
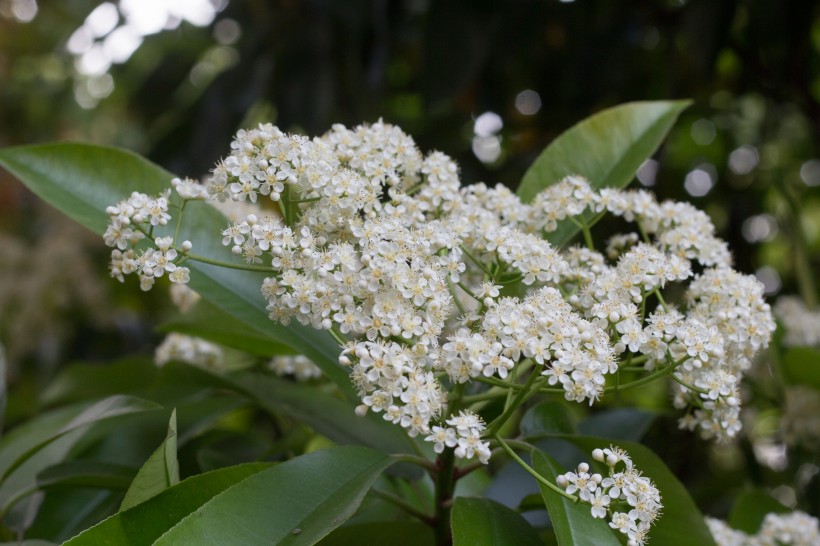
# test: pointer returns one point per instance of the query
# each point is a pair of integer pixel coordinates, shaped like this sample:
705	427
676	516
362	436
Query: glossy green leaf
801	366
211	323
111	408
681	523
143	524
67	511
159	472
606	148
546	419
82	381
296	502
394	533
197	416
618	424
81	180
484	522
24	457
329	415
573	523
750	507
19	441
531	503
88	474
31	433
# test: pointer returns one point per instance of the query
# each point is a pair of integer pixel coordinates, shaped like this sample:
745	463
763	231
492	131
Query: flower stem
404	505
476	260
179	218
541	479
458	303
523	394
445	485
229	265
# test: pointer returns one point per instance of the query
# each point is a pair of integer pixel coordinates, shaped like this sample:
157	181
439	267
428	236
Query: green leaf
618	424
530	503
25	456
31	433
296	502
87	474
114	408
680	523
801	366
328	415
211	323
81	381
751	507
159	472
66	511
573	523
81	180
394	533
143	524
606	148
546	419
484	522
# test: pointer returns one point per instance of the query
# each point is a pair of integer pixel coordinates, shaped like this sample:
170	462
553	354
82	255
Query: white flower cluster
191	350
299	366
135	219
730	324
791	529
379	243
801	325
629	499
419	278
464	434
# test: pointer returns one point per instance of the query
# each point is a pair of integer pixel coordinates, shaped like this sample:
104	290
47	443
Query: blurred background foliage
490	83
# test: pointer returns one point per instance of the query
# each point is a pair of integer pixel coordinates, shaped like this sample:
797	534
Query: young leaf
81	180
573	523
484	522
606	148
296	502
159	472
143	524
